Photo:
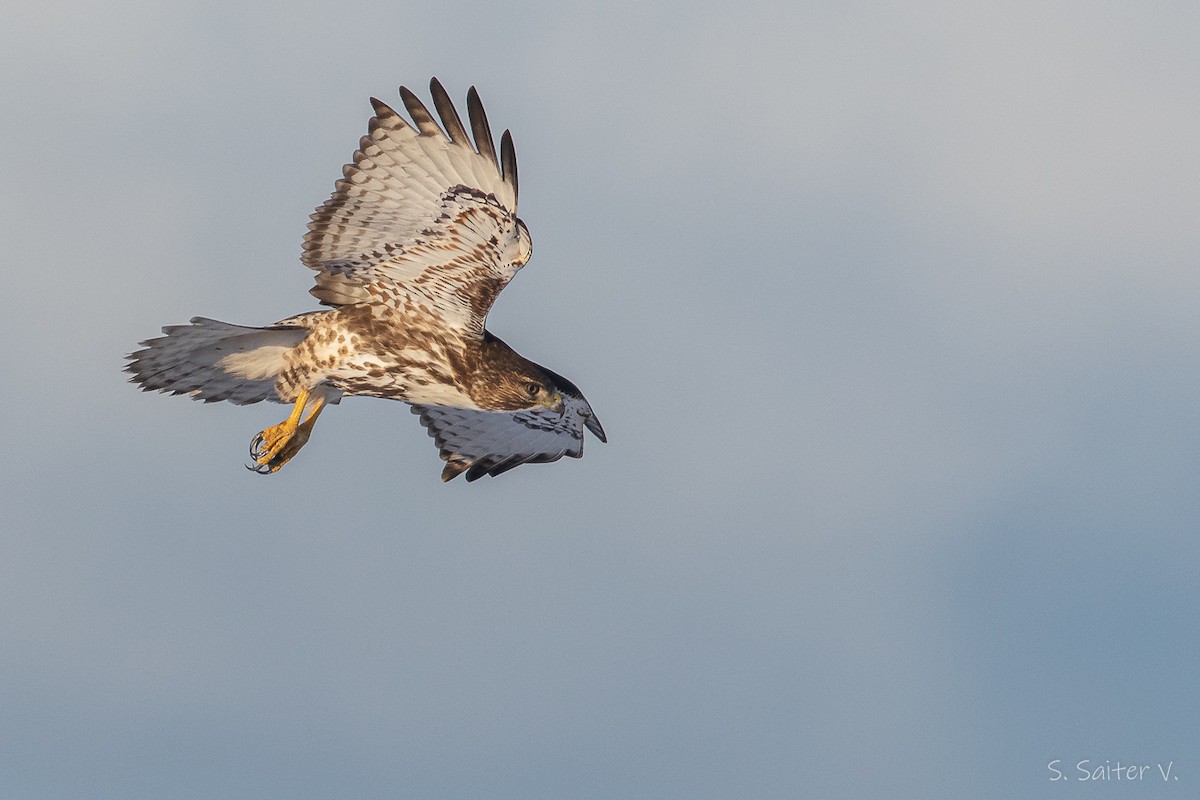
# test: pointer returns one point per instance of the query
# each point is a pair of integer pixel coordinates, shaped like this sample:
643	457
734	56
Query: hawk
419	237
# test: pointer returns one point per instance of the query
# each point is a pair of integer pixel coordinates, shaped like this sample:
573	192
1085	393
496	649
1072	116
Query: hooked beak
594	426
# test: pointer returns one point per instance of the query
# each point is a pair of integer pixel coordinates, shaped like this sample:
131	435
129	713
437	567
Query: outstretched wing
492	442
424	219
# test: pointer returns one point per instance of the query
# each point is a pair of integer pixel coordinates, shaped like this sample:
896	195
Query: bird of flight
419	237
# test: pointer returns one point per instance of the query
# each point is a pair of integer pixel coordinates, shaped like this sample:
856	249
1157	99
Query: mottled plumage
410	252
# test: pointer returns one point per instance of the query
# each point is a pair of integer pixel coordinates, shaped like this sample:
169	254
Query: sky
889	311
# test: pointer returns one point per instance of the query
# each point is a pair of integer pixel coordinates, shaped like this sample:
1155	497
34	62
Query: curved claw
273	447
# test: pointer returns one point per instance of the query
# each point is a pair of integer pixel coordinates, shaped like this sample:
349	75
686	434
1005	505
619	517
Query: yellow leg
275	446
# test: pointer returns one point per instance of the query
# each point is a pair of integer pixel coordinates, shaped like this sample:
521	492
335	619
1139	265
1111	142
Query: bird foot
277	445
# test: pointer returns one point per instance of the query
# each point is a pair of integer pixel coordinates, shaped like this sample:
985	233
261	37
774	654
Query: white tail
213	360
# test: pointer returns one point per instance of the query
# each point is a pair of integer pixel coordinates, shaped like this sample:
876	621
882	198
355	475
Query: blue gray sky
890	311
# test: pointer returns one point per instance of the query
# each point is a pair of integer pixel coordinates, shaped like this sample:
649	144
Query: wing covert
492	442
423	217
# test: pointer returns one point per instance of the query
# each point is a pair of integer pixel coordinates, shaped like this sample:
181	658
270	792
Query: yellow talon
276	445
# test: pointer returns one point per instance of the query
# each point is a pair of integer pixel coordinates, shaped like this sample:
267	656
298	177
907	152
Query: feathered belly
411	383
413	375
409	378
357	353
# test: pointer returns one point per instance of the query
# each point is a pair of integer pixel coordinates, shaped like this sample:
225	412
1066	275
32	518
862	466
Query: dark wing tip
479	126
445	108
452	470
419	113
384	115
511	462
382	109
508	161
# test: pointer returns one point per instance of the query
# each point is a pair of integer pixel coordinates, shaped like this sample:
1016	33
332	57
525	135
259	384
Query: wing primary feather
450	119
500	467
384	112
419	113
478	470
479	126
452	470
508	161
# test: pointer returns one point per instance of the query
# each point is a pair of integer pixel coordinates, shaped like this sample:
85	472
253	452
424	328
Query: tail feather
213	360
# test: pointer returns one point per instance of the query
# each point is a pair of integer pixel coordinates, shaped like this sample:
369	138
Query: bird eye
533	389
